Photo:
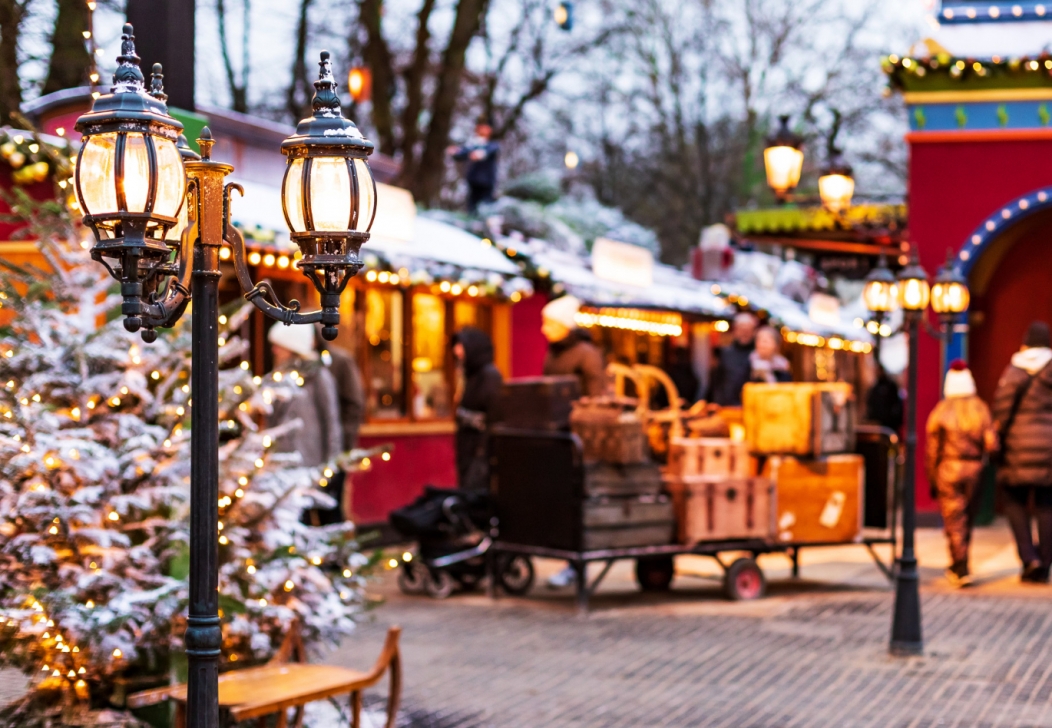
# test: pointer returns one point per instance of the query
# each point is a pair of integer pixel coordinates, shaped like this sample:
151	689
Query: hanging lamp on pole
783	160
836	185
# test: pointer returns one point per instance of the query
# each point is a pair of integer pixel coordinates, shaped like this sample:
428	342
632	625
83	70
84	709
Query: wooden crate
718	508
612	480
819	501
804	418
709	456
625	522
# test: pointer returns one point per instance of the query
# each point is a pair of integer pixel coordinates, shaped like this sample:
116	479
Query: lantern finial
128	77
326	102
157	83
205	142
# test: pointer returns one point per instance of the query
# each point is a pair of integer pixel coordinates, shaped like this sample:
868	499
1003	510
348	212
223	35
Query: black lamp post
906	637
137	187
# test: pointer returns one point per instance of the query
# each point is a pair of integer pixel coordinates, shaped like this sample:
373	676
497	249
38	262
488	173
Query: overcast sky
273	23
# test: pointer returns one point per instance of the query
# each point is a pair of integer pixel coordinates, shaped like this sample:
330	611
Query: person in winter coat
481	155
766	363
884	401
733	370
960	434
570	349
478	408
1023	413
315	404
350	392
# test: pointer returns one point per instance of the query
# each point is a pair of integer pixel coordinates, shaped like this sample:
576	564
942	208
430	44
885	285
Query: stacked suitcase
549	494
715	492
805	433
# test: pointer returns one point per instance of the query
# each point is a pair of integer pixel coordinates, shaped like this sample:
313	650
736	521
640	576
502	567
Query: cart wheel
411	579
439	583
515	574
655	573
468	582
744	581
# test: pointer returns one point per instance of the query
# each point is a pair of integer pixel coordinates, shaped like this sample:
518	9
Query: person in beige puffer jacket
960	436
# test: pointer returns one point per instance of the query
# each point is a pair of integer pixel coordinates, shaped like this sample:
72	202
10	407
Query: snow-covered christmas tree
94	498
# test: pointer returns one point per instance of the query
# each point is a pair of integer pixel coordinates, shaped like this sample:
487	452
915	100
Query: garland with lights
943	72
94	488
32	160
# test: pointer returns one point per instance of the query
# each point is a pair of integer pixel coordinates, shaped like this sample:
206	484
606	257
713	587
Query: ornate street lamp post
137	187
906	637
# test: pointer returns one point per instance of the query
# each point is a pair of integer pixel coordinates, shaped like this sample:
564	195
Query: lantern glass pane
836	191
880	296
95	175
293	196
783	166
914	294
366	195
171	178
330	193
136	172
950	298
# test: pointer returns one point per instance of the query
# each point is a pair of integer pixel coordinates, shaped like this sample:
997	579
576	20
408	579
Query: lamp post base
906	637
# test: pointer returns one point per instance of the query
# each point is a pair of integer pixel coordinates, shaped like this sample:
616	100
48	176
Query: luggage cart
538	482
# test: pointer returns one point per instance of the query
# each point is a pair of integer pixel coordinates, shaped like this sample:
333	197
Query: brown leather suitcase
818	500
808	419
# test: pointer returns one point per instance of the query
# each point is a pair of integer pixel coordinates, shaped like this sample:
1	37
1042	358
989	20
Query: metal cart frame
579	560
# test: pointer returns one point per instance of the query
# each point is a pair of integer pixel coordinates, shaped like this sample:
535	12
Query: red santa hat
959	381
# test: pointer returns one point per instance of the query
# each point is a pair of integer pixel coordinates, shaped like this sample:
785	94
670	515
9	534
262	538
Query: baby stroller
453	547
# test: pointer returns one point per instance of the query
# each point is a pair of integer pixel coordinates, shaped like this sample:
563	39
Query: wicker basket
608	432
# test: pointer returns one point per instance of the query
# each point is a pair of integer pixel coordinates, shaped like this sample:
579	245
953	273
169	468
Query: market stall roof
672	289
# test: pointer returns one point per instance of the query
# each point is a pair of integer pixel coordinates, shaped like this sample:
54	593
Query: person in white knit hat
960	437
570	348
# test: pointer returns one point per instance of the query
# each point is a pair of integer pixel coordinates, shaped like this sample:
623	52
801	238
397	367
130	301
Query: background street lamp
133	182
949	298
881	296
783	160
836	185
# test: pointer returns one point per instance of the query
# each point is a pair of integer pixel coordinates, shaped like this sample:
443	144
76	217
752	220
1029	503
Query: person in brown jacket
960	434
570	349
1023	412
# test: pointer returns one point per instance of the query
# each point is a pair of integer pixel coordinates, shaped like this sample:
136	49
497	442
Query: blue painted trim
976	243
976	115
998	11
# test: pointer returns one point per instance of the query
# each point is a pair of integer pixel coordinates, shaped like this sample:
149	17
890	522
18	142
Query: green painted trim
192	125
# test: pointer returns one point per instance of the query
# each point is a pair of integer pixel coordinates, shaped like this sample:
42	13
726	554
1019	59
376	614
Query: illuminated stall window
468	313
384	344
431	390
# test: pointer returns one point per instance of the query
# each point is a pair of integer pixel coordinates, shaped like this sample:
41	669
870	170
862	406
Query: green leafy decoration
961	116
919	117
1042	113
1002	115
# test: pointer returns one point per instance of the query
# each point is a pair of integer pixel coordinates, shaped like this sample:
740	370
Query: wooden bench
257	692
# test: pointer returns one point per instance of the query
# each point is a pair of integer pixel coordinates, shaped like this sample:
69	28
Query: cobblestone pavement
813	653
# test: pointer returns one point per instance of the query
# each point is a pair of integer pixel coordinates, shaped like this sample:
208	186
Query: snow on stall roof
676	290
402	235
